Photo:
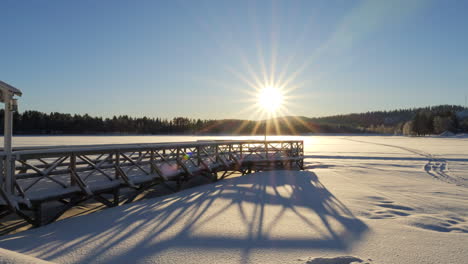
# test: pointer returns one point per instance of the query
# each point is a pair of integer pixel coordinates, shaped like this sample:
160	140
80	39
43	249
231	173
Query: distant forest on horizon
414	121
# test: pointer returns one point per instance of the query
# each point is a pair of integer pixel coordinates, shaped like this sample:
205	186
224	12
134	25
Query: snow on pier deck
71	175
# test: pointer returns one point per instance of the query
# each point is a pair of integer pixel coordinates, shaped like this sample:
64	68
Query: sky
208	59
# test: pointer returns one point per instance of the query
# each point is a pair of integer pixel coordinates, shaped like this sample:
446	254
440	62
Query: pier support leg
178	184
116	194
37	215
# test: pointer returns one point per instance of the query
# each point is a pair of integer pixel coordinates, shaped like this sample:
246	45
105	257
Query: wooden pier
73	174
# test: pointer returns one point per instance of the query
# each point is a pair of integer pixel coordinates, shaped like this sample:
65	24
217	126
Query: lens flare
270	99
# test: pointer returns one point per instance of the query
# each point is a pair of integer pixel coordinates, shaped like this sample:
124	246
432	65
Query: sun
270	99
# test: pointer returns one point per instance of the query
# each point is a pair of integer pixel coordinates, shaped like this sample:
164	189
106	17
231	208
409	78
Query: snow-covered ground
361	199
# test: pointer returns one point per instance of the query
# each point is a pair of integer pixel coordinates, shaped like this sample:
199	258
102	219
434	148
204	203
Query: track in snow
436	167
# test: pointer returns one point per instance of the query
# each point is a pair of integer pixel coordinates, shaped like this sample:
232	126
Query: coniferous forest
416	121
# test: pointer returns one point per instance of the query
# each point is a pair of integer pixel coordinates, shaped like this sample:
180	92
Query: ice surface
361	199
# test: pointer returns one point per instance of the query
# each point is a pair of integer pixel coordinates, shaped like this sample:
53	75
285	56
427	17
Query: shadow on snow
145	225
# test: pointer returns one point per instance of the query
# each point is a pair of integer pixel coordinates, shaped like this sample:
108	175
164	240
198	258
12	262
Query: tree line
436	121
416	121
37	123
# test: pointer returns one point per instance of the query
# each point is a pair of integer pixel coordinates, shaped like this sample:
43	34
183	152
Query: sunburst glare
270	99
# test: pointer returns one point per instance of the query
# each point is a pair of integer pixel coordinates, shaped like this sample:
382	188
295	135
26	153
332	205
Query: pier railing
74	174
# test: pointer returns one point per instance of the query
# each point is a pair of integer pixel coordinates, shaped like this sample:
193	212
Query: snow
361	199
447	134
11	257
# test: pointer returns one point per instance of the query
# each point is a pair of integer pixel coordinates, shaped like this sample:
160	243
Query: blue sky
199	58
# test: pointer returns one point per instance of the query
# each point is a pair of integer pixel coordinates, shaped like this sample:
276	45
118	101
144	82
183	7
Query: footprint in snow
386	209
395	206
441	224
338	260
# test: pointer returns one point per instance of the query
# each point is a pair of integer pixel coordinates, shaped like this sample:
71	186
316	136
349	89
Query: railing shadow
269	210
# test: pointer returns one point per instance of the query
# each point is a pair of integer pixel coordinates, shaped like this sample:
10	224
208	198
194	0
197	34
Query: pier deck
73	174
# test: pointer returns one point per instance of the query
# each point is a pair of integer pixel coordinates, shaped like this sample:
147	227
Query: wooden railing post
72	169
240	151
177	157
153	171
198	156
117	164
217	153
10	174
2	172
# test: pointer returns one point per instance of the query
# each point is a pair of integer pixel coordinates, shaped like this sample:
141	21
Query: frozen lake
367	199
427	152
351	145
23	141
